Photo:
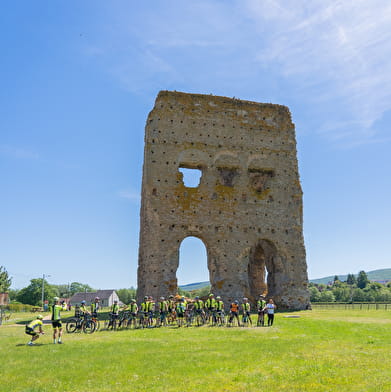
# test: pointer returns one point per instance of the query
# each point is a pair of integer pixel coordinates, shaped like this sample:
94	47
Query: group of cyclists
182	311
177	310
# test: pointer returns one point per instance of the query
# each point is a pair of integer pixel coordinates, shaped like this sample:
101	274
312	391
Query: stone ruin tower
247	208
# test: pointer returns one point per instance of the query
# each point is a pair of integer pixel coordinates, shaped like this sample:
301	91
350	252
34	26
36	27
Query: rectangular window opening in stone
191	177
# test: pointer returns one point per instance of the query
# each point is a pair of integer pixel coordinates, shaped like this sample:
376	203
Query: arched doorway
193	262
262	268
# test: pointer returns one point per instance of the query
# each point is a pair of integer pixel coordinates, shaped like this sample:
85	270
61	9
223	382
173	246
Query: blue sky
79	78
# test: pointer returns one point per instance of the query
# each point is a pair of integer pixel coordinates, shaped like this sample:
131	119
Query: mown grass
319	351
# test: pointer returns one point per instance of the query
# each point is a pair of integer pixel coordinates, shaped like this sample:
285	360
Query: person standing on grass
30	329
246	309
95	306
261	313
163	308
234	312
56	321
270	308
180	311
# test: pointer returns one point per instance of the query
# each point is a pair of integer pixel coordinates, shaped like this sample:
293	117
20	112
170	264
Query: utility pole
43	286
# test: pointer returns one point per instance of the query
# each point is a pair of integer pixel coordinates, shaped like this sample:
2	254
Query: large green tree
76	287
32	294
5	280
125	295
351	279
362	280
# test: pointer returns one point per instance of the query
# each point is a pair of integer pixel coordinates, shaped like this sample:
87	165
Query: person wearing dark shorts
30	329
270	308
56	321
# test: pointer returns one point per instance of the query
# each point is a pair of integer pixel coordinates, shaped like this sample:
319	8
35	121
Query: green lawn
321	350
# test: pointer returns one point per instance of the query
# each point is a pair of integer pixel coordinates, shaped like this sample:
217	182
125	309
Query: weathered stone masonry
247	208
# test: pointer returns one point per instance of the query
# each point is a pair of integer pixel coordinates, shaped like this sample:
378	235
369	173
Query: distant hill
381	274
194	286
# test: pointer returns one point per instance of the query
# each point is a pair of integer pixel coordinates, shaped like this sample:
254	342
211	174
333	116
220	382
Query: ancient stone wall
247	209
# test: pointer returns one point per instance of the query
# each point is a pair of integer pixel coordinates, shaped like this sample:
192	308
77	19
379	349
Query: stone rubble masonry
247	208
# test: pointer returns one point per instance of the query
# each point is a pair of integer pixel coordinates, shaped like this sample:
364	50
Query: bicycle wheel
71	325
97	324
89	326
123	323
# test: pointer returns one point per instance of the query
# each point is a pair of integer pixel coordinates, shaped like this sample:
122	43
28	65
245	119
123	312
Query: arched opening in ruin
262	268
193	262
191	177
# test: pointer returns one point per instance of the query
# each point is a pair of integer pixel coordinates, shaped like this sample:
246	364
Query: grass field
321	350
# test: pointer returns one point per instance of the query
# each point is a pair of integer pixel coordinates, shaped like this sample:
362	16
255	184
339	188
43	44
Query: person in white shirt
269	309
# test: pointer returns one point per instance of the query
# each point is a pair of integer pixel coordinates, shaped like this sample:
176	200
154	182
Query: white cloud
345	46
328	55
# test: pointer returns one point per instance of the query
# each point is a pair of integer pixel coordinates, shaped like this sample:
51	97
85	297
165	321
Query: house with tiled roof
107	297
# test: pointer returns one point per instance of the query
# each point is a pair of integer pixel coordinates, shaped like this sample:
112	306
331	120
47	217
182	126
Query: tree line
32	294
353	289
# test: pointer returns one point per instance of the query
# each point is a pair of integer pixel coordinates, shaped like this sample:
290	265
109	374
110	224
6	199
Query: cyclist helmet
183	297
218	297
132	300
40	317
97	298
115	301
83	302
197	297
211	295
146	297
162	298
236	302
245	299
171	296
56	299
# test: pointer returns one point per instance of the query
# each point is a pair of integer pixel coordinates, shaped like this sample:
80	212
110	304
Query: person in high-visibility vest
114	314
83	308
145	305
151	310
30	329
180	311
56	321
219	310
133	307
246	309
198	305
163	309
210	305
261	303
95	306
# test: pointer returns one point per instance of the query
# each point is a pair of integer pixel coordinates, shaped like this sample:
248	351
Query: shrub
18	307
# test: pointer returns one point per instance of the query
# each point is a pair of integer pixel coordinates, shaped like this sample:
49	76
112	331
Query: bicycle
261	319
199	318
123	319
111	322
95	319
246	320
143	320
220	318
189	317
82	323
